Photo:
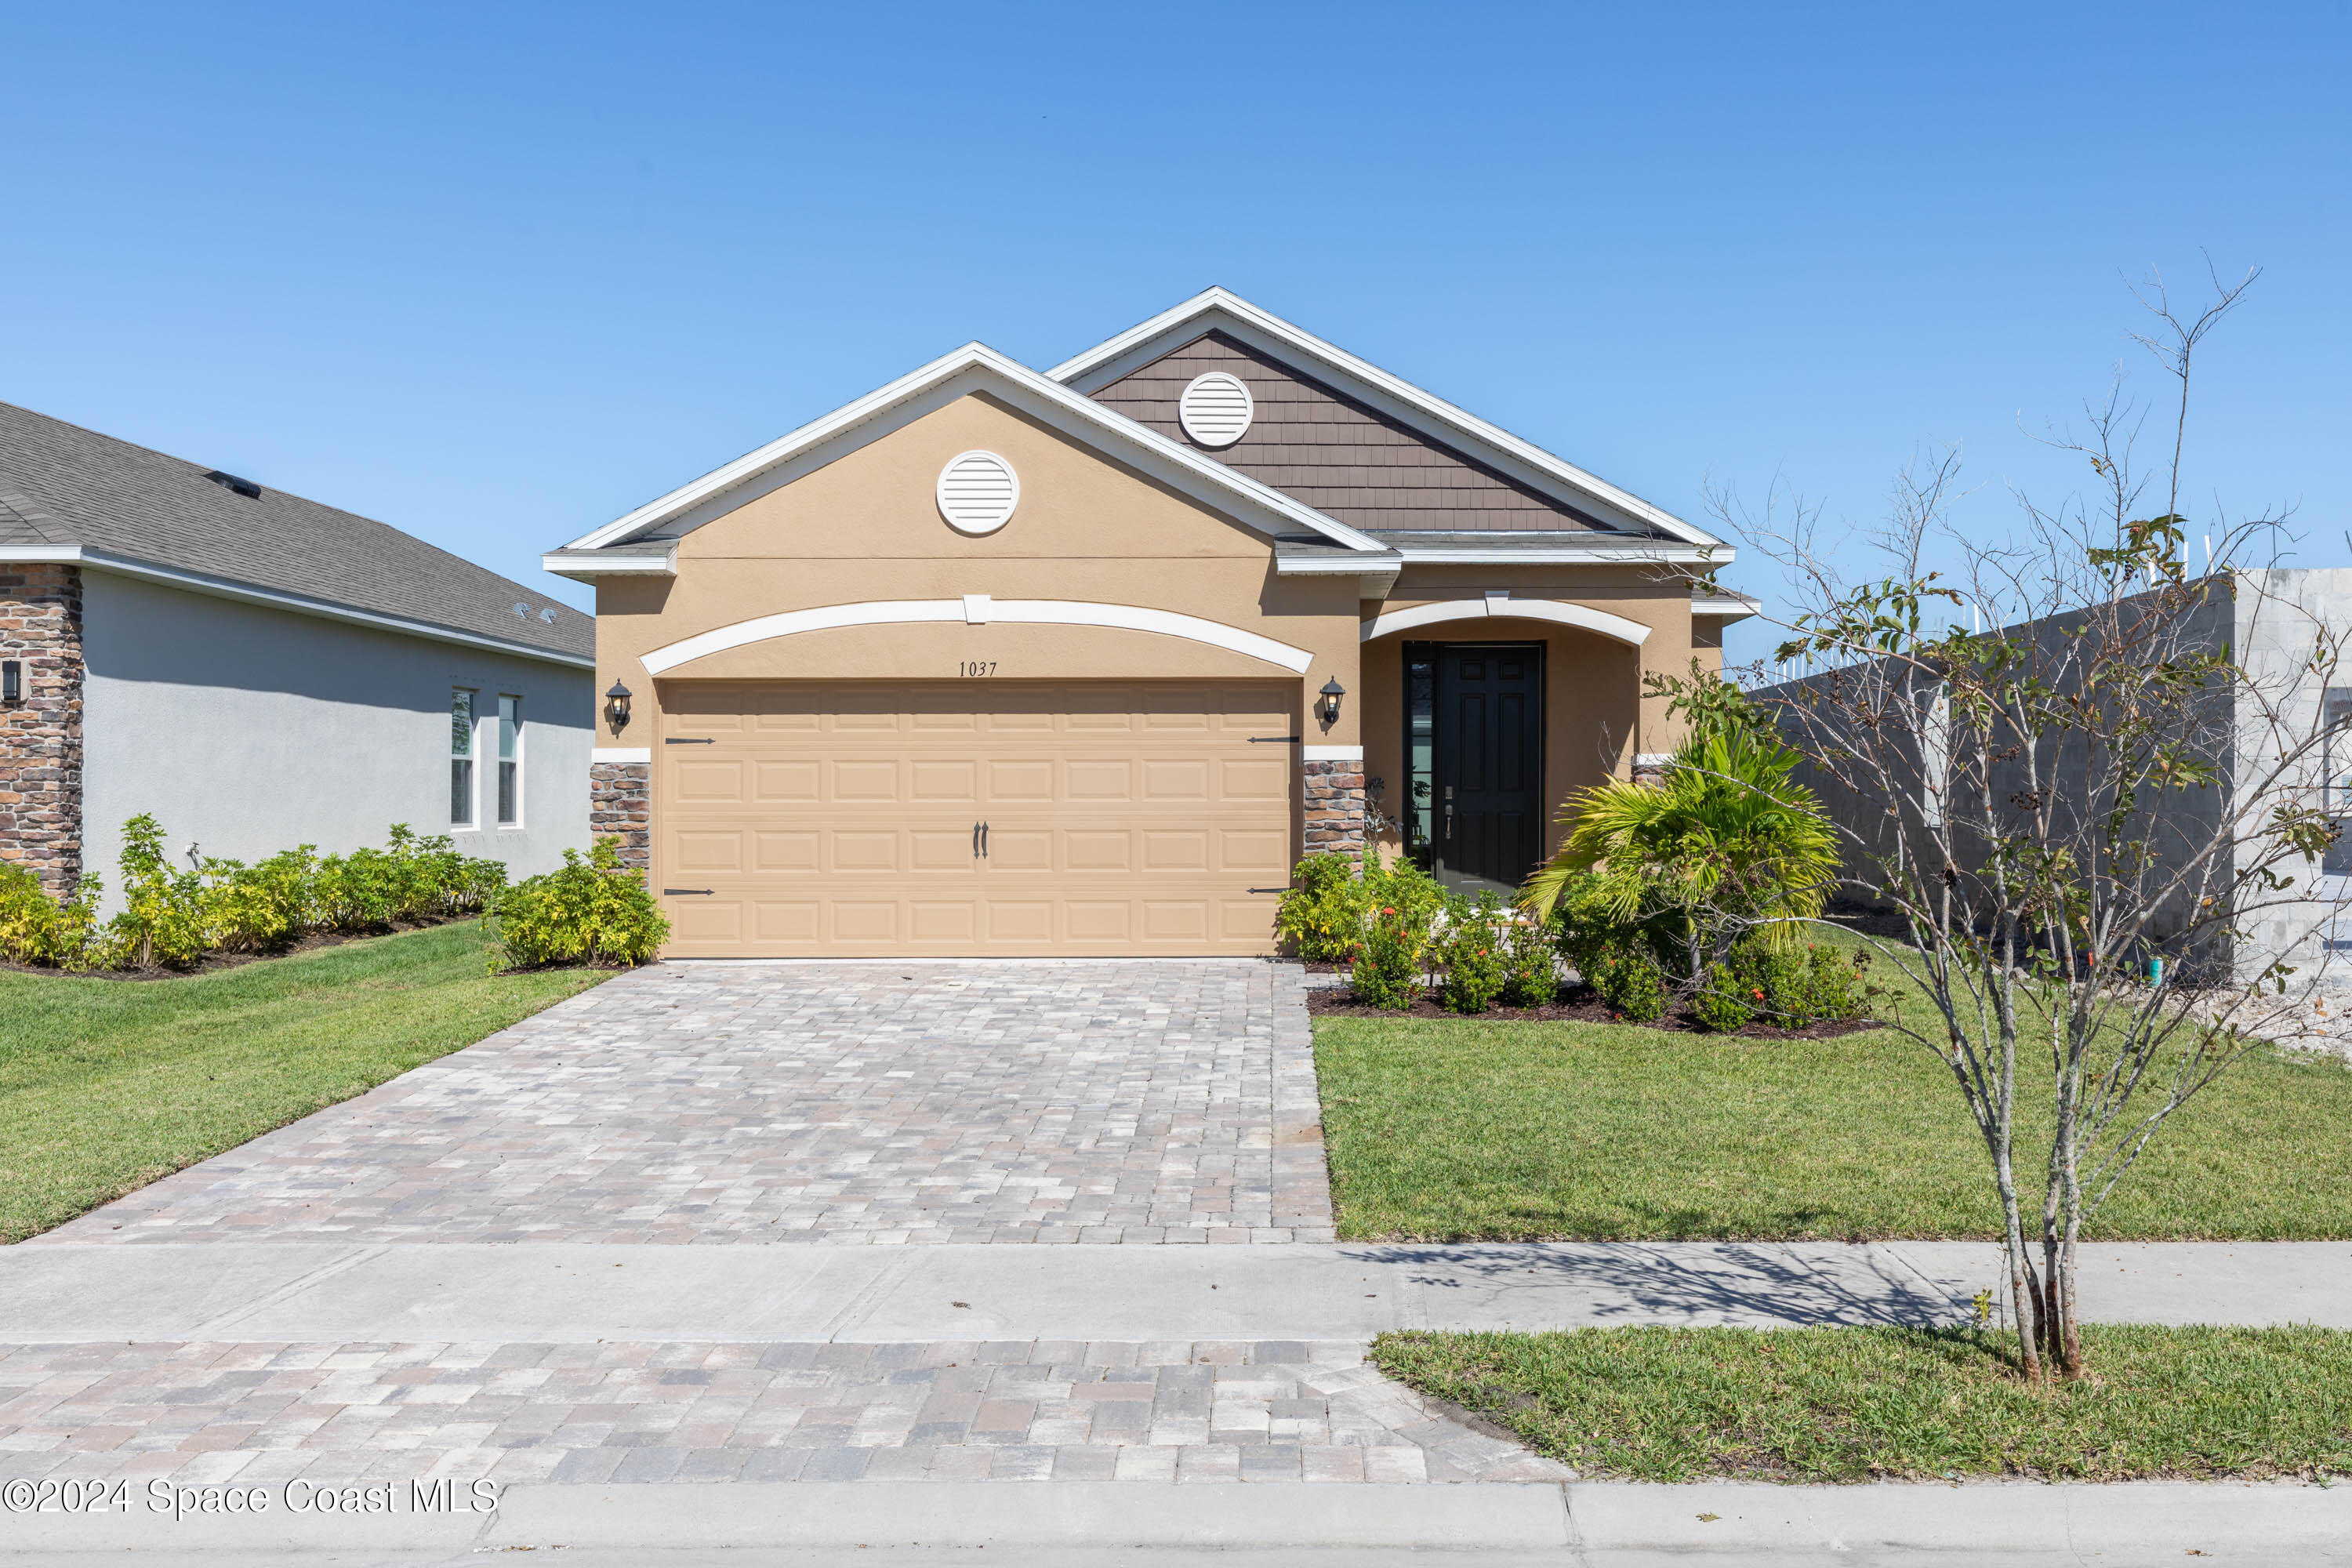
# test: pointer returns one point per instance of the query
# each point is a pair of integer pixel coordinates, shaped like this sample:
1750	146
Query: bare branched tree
2083	793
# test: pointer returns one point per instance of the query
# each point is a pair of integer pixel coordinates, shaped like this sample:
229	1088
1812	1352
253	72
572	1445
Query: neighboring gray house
259	672
2290	630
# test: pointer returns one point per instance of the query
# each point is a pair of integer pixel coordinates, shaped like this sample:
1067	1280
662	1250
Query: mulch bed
1576	1005
212	962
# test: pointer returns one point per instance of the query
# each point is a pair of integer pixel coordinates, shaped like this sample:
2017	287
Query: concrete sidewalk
566	1292
1574	1522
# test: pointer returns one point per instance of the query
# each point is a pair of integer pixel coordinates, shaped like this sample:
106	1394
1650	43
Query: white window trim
473	824
521	771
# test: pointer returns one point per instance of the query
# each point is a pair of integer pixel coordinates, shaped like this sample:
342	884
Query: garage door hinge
1273	889
688	741
681	892
1276	740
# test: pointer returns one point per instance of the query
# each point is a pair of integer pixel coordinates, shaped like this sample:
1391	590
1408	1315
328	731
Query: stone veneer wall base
1335	808
621	805
41	733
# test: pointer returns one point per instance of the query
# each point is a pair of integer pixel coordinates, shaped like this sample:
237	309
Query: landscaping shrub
1321	916
1388	966
1472	952
165	920
174	918
37	929
594	910
1628	980
1786	990
1531	974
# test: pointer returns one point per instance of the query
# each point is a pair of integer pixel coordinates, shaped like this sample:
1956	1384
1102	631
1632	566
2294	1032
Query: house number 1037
975	667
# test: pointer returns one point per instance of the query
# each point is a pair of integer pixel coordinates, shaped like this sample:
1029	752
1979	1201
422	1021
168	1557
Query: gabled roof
1219	310
68	494
972	368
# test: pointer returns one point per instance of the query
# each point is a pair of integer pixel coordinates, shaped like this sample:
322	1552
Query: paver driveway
927	1102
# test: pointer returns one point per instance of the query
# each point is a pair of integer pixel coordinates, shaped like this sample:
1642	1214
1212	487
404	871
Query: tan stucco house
992	661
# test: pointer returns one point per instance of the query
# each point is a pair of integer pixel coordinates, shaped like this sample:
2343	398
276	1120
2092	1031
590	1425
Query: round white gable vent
978	491
1216	408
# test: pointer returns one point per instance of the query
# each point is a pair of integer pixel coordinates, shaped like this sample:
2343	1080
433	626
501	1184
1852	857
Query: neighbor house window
510	761
461	758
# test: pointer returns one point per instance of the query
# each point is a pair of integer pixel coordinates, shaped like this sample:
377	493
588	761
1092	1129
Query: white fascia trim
621	755
1728	607
1337	566
1607	554
1079	414
1590	620
1106	361
583	564
1331	753
220	588
1035	612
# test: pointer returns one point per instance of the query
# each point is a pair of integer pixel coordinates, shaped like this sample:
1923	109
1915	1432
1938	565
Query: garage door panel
1263	851
864	851
1020	850
710	851
1020	782
777	854
707	782
1093	779
1123	817
866	781
786	783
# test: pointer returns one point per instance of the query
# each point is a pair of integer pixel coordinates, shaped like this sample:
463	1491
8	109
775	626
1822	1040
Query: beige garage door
982	817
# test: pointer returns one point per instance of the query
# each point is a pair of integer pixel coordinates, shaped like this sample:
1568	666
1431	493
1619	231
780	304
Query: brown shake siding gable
1310	441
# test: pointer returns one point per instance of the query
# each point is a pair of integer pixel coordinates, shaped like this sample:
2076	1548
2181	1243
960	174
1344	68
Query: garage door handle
983	841
682	893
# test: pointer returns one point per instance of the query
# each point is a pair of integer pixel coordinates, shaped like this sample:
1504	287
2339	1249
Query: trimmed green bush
172	918
1531	972
1472	952
1388	961
1321	914
1629	981
594	910
1787	990
37	929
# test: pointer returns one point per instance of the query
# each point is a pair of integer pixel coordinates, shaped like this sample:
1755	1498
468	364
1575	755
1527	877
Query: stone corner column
1334	798
621	805
41	750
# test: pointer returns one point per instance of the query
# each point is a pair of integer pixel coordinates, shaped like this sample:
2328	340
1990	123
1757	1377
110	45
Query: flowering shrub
37	929
1787	990
591	911
1628	980
1388	968
1334	900
1472	952
1531	970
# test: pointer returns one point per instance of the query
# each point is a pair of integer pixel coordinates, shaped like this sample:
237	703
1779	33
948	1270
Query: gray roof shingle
63	485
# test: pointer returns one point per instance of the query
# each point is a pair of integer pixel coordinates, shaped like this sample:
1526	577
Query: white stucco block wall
246	730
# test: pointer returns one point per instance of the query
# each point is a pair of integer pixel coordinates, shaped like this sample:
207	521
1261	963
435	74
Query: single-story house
259	672
998	661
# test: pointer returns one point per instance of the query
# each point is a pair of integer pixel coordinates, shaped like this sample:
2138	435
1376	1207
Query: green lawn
1871	1404
1443	1129
106	1085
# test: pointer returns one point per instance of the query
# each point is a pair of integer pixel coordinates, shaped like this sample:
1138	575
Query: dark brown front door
1474	743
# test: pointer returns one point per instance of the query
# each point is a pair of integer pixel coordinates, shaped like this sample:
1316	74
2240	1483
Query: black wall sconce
12	680
616	708
1329	709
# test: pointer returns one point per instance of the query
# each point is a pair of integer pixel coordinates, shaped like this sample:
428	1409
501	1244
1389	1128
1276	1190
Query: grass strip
1851	1405
107	1085
1457	1130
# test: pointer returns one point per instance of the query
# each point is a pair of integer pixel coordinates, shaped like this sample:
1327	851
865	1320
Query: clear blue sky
497	273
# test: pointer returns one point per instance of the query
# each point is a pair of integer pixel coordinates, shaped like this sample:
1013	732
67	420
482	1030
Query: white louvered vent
978	491
1216	409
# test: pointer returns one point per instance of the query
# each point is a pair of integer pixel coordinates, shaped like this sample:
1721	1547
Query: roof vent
244	488
1216	409
978	491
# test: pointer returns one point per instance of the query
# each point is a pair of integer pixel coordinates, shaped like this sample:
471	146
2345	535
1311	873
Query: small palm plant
1728	844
